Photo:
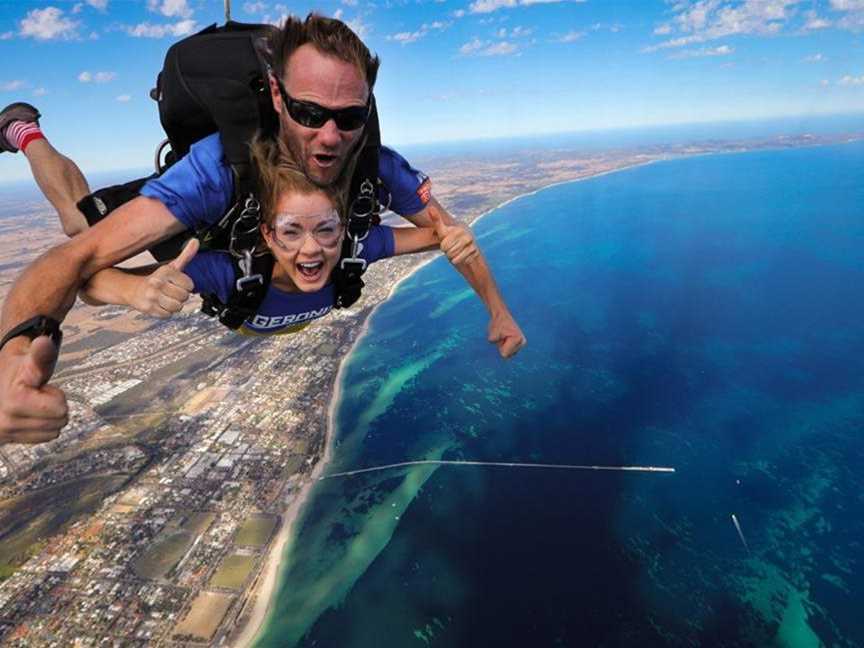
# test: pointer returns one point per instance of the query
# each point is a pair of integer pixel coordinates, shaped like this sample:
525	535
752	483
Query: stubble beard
304	162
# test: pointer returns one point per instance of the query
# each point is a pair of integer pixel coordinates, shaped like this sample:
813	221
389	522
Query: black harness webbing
363	212
253	276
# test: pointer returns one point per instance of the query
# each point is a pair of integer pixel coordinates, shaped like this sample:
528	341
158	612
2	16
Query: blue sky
454	69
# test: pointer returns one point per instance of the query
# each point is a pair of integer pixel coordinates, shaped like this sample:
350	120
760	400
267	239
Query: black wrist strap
35	327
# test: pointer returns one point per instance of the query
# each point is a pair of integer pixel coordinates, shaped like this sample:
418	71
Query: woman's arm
153	290
456	241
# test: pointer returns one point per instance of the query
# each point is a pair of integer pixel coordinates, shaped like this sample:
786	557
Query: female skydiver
303	228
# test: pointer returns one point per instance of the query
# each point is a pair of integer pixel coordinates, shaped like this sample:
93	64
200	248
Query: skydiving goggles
311	115
290	232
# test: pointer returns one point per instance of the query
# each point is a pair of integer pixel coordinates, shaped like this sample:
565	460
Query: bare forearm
47	287
113	286
479	277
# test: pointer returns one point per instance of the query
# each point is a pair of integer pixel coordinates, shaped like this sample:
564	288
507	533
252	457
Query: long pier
502	464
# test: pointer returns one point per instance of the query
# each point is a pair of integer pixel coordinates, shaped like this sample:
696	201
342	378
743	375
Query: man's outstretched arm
48	287
503	329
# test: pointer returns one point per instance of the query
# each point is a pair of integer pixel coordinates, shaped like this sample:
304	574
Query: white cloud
477	47
707	20
663	30
488	6
500	49
98	77
813	21
254	7
722	50
458	13
815	58
850	80
40	92
170	8
101	5
571	37
77	7
124	98
7	36
471	46
359	27
847	5
11	86
149	30
824	83
403	38
350	3
48	24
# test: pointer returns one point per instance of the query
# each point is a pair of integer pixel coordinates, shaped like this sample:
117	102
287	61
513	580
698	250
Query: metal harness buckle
245	227
246	266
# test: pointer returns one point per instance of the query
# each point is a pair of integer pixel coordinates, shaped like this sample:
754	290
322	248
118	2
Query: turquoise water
702	313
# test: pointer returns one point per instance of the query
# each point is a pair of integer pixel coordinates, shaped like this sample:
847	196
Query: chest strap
252	278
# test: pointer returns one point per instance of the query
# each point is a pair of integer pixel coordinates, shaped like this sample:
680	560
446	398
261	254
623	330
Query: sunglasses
311	115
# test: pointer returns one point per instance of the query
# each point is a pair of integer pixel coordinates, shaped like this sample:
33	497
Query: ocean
701	313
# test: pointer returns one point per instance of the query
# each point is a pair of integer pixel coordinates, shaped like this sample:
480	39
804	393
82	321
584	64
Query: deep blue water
702	313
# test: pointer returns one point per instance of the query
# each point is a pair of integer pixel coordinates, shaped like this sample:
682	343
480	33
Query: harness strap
252	278
363	212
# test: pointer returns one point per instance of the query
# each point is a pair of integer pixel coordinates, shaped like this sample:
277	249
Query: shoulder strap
363	212
252	278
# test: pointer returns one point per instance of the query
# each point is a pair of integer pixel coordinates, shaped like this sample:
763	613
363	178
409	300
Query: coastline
268	582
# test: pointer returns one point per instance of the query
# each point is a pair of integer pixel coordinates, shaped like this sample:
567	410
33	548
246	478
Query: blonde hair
279	174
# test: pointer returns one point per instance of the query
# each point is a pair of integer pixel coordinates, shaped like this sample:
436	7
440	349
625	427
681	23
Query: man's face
325	80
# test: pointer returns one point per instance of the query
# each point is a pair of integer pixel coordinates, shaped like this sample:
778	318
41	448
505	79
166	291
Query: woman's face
305	238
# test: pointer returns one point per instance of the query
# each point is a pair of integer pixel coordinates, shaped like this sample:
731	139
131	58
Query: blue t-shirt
280	311
198	189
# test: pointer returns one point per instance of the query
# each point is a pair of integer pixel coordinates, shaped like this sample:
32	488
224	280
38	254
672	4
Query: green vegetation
27	522
172	544
233	572
161	557
256	530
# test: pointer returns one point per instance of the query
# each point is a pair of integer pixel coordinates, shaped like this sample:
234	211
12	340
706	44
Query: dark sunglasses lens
350	118
308	115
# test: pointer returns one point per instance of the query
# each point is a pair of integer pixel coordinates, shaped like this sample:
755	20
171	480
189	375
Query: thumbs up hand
456	241
30	410
166	290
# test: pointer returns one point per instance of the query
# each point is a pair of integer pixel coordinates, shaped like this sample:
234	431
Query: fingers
32	414
174	287
186	255
510	345
459	245
169	304
47	402
466	256
30	436
38	365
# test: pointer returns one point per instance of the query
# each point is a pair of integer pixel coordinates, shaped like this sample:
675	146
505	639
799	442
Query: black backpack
216	80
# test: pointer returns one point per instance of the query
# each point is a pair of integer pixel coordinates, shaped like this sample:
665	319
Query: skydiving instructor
324	73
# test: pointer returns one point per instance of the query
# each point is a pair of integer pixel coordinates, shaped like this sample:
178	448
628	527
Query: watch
35	327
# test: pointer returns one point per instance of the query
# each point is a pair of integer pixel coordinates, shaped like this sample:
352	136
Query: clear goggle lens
292	229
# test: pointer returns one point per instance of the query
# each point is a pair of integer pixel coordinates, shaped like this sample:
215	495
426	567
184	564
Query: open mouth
325	160
311	271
